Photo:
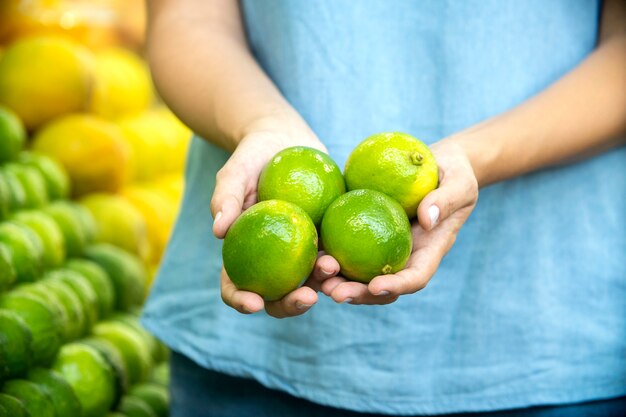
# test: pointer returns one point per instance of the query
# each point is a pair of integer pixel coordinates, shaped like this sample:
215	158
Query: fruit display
90	183
271	248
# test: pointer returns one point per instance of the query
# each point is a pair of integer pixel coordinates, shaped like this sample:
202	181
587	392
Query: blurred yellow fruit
119	223
159	142
93	152
94	23
159	213
44	77
172	186
123	86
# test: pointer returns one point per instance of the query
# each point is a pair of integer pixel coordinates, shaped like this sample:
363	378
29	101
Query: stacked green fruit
71	344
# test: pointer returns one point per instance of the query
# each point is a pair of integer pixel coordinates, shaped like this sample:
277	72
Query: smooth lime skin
49	232
33	184
304	176
26	250
396	164
55	177
270	249
40	318
12	135
368	233
15	346
63	397
89	375
35	400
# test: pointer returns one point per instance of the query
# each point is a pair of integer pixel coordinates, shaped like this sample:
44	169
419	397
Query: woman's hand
235	191
441	215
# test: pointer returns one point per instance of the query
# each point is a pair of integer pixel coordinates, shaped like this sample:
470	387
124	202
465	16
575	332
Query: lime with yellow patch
270	249
303	176
396	164
368	233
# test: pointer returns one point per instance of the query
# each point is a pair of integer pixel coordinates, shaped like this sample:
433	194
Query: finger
245	302
454	193
358	293
227	202
331	283
293	304
420	268
325	267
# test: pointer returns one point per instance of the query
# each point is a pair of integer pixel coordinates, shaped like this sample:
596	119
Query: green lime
116	414
132	322
15	345
396	164
89	375
100	282
125	270
14	407
74	233
135	354
32	182
63	398
7	270
49	233
35	400
26	250
42	321
368	233
135	407
55	177
5	198
161	374
303	176
16	193
156	396
50	299
12	135
270	249
74	310
83	290
114	358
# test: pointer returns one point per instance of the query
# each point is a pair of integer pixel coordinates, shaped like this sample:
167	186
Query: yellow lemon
44	77
92	150
123	86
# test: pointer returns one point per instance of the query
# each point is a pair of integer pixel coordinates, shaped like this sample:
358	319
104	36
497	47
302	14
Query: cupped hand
441	215
235	191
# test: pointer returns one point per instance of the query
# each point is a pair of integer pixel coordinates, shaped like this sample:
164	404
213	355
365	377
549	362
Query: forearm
581	114
204	71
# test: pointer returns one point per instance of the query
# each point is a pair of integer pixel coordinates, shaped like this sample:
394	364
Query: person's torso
527	308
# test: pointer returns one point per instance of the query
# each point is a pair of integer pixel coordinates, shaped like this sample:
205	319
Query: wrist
285	129
480	151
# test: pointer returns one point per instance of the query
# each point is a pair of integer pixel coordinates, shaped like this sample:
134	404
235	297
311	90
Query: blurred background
91	179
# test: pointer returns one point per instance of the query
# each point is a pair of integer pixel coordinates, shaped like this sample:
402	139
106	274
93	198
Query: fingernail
247	310
217	217
346	301
302	306
433	213
326	273
383	293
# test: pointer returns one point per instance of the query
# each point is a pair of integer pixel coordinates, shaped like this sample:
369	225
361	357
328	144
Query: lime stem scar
417	158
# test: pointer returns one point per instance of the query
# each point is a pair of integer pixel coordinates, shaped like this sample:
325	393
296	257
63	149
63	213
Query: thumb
227	201
454	193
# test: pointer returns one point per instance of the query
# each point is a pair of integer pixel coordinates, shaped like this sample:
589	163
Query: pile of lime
271	248
71	344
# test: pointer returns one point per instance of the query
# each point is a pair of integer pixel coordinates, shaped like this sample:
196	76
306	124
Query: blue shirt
529	306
